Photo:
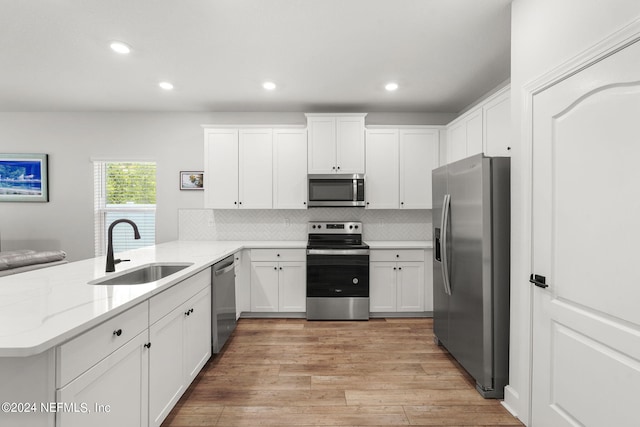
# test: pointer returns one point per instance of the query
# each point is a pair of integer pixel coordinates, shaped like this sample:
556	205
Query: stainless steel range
337	272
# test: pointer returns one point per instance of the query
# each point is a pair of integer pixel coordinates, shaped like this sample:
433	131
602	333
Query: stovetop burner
335	235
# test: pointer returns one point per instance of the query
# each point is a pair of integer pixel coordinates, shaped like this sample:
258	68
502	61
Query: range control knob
319	226
313	226
350	227
356	227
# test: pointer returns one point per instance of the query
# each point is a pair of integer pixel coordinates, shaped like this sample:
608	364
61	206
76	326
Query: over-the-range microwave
336	190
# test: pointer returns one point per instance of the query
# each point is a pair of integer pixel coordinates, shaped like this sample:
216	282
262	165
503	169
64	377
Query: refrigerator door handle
444	222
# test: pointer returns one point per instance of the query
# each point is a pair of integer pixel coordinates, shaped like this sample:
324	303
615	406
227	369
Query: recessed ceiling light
165	85
269	85
391	86
120	47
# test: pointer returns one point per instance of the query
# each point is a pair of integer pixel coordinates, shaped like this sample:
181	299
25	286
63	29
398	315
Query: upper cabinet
483	129
238	168
289	168
399	165
336	143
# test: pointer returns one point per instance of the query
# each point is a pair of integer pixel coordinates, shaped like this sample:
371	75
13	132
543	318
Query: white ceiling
324	55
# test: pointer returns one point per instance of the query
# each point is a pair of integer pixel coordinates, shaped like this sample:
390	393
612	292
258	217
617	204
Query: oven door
337	273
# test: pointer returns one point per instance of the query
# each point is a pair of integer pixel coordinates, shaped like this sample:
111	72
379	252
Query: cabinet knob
333	168
280	268
367	203
117	332
402	203
147	345
508	148
240	202
399	268
397	255
338	167
275	268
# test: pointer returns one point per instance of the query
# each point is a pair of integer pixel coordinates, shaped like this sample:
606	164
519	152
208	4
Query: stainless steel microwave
336	190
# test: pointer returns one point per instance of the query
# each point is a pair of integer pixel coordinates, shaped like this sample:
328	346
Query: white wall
545	34
72	140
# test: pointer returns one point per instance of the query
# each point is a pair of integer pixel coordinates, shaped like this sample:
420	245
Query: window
124	190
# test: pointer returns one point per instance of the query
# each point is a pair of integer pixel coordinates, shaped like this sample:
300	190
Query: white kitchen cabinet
397	280
256	169
399	165
289	168
221	168
180	342
238	169
419	155
483	129
336	143
242	269
497	125
278	280
464	136
114	391
382	190
428	280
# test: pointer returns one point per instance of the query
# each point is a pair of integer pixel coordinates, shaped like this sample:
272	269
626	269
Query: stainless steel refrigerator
471	229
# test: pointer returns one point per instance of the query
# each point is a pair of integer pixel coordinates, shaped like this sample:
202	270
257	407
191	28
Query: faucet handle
118	261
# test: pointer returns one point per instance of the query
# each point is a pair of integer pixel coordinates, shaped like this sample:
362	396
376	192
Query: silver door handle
444	222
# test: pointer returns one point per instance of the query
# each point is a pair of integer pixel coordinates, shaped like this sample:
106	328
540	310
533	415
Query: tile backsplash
275	224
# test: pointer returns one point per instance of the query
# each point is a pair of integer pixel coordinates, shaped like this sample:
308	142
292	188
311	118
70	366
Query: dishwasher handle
223	270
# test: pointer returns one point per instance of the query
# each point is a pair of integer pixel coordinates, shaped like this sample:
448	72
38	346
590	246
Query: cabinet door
382	169
428	280
290	168
474	133
382	286
115	390
166	361
221	169
322	145
243	281
410	286
497	126
350	144
256	169
197	334
419	154
264	286
457	142
292	287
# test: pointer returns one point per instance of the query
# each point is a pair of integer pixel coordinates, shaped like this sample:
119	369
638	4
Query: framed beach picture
23	178
191	180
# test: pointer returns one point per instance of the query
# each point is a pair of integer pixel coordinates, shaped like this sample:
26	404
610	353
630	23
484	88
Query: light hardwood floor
293	372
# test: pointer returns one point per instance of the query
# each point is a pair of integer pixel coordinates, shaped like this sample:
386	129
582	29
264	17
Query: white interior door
586	205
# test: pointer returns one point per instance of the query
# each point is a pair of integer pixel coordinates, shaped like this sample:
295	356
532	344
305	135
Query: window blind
124	190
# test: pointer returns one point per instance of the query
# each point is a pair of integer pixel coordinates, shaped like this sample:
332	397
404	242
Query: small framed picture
191	180
23	178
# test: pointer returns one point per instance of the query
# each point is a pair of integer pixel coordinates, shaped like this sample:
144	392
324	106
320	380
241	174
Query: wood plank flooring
292	372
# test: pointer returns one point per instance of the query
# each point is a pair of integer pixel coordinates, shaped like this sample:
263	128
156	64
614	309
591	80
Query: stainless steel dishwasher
223	303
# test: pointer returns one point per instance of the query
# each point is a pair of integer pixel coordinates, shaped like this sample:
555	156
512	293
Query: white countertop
42	308
397	244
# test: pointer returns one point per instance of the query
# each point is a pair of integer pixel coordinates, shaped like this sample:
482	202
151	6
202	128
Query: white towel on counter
21	258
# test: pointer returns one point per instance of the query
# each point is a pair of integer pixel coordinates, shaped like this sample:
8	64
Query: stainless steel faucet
111	263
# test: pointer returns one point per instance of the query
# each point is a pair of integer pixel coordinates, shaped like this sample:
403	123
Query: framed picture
23	178
191	180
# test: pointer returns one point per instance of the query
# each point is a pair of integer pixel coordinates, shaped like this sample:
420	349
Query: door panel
256	169
382	169
586	335
470	313
221	166
419	155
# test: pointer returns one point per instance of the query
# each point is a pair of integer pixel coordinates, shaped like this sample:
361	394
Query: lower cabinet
114	391
278	280
181	345
131	369
397	281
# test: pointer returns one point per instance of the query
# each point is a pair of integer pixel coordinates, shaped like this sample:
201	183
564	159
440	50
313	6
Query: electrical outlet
287	222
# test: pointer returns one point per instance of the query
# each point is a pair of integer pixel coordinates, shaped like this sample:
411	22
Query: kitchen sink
144	274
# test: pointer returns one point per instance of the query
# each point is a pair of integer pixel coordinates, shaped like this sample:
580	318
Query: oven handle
337	251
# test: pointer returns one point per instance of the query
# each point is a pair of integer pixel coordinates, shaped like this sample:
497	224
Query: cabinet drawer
396	255
164	302
76	356
278	255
